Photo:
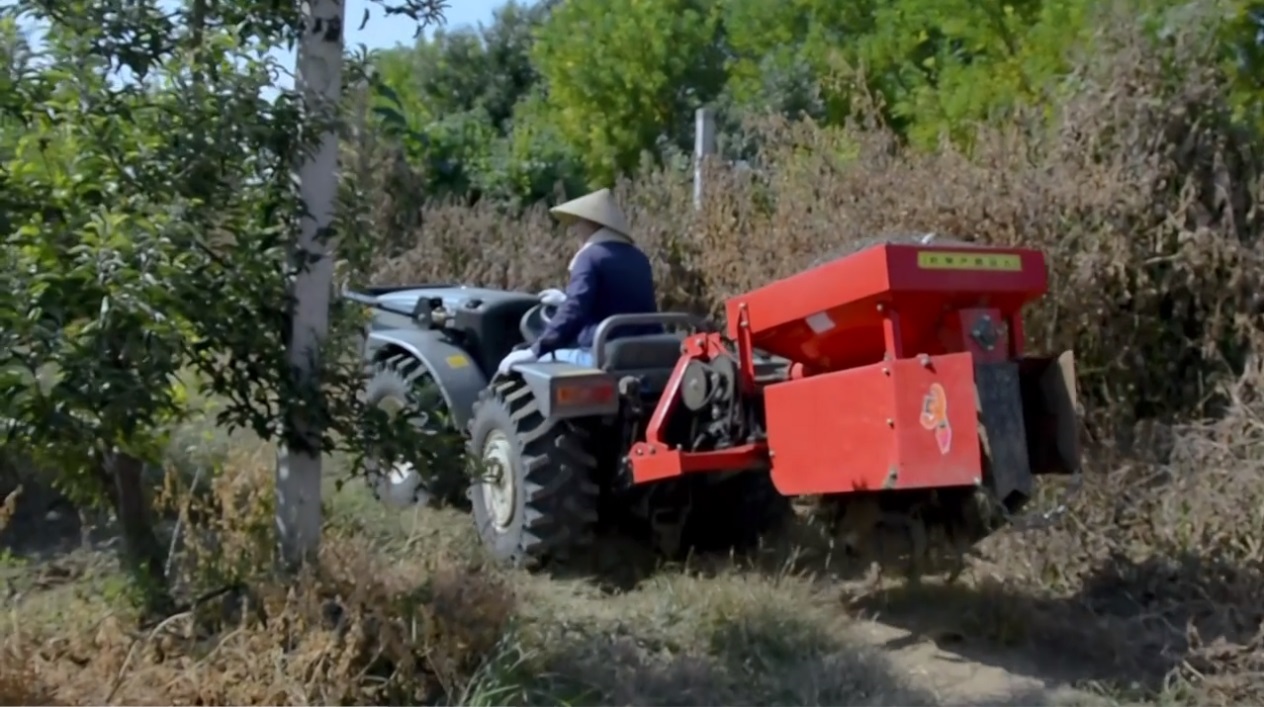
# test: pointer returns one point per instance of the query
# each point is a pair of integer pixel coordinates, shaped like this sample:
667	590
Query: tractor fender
454	372
542	377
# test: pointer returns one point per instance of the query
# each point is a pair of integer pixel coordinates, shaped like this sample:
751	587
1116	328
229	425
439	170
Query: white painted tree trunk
703	147
319	79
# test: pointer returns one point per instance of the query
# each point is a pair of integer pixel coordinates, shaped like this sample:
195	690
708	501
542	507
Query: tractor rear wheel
533	493
401	383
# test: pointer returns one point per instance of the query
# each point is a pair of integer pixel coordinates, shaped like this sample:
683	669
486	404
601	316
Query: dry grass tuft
356	629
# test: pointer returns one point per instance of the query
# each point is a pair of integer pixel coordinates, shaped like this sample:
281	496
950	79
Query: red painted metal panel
899	425
832	317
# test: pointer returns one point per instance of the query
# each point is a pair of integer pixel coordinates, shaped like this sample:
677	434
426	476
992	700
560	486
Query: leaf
391	118
385	91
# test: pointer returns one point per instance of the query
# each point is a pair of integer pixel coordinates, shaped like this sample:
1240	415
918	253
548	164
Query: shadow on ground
800	547
1130	628
38	521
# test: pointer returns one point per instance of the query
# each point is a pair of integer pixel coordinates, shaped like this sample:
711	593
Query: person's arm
572	314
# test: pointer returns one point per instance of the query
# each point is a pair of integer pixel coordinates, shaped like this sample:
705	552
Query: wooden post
703	145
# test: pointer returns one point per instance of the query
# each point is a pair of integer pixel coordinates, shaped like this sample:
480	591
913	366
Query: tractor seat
643	352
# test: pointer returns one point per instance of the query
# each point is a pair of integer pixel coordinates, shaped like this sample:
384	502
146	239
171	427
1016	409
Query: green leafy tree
149	216
100	193
452	101
625	75
991	58
534	160
931	63
794	57
942	67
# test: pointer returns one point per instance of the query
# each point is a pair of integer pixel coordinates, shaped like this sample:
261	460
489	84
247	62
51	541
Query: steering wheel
535	320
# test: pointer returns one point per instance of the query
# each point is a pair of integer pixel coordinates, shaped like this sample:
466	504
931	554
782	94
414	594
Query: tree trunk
142	553
299	463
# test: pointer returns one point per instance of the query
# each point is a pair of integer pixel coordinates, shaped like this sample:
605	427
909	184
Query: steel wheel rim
399	473
499	492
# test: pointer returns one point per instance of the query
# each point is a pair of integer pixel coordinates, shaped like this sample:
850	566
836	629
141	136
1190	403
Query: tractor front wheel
402	384
533	492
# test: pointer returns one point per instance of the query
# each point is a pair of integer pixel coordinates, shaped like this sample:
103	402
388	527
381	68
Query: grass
678	637
1114	605
402	609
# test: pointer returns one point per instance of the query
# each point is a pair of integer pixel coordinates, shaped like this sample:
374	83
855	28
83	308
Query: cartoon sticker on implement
935	416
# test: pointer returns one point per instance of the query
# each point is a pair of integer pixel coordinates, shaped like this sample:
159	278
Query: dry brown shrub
9	507
1145	197
19	684
355	629
1141	193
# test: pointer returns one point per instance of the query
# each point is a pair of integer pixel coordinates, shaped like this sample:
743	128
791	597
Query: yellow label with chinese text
946	260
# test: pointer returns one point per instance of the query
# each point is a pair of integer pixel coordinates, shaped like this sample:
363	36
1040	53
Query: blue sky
382	33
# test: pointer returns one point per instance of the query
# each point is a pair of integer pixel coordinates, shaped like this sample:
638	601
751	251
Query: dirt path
956	679
725	635
810	648
721	635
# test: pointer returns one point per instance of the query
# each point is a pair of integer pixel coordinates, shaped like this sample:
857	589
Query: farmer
609	275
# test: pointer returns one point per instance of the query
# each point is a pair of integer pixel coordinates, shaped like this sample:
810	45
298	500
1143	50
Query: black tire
404	381
554	498
734	513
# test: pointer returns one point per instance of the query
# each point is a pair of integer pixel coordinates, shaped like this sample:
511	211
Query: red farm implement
892	382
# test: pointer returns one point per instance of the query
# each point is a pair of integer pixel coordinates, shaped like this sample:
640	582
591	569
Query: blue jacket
607	277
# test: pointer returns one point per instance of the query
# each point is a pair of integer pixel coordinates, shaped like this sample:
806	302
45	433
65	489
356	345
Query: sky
380	32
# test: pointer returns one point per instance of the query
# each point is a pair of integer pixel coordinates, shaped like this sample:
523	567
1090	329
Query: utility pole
703	146
319	80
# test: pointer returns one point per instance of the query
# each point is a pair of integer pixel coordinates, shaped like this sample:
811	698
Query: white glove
514	358
552	297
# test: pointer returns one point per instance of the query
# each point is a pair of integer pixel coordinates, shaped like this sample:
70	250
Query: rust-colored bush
355	629
1141	193
1145	197
20	684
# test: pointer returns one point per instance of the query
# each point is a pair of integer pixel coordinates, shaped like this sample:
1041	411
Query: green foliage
625	75
598	84
1242	54
148	211
811	43
458	102
103	255
536	157
466	69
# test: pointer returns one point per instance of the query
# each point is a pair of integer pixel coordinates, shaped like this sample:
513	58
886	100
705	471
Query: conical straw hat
598	207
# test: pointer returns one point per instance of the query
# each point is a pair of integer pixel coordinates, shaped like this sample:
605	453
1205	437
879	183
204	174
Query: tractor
890	384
